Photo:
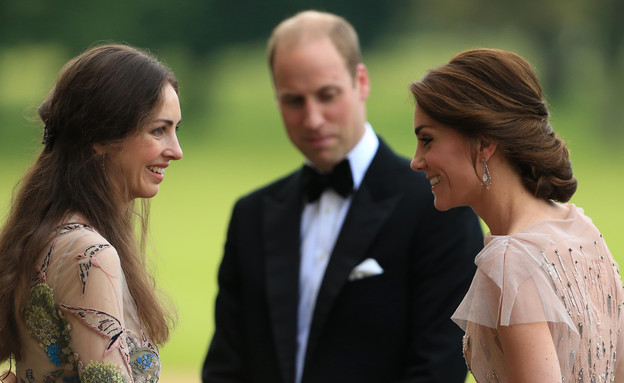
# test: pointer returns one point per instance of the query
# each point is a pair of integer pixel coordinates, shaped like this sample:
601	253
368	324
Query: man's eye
328	96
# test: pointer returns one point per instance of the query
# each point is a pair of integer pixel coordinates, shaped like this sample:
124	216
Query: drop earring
485	175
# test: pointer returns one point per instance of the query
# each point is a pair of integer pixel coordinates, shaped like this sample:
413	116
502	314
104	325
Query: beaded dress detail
555	271
80	323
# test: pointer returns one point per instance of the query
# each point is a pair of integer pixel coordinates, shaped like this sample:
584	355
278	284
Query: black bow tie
339	179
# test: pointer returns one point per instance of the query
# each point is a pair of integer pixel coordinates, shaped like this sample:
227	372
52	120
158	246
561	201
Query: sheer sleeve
559	272
514	284
89	288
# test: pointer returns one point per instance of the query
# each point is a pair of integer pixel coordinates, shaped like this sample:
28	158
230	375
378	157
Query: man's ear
361	77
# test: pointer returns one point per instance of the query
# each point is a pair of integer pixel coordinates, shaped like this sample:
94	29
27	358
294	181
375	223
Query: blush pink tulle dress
555	271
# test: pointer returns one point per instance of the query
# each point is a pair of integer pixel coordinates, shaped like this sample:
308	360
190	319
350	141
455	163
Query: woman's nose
418	162
174	151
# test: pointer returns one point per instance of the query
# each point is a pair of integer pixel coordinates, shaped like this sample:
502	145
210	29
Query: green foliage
201	26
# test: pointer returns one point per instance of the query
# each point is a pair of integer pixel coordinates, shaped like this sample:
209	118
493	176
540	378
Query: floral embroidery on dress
144	359
47	326
104	324
73	226
97	372
51	377
46	321
87	260
43	268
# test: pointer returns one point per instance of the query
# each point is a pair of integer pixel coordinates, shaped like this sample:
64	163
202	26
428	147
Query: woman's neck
508	207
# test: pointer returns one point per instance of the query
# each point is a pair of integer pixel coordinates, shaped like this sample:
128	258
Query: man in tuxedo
342	271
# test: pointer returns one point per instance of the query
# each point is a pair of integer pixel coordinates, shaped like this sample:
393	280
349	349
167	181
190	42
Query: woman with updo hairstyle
79	304
545	302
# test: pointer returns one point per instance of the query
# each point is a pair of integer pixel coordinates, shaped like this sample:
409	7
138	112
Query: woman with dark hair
79	303
545	303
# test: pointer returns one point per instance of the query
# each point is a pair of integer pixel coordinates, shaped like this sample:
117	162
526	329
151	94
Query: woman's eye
293	101
425	140
158	131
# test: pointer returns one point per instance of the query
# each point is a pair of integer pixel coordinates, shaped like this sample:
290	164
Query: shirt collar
362	155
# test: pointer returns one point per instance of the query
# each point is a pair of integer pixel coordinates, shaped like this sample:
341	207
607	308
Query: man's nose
313	115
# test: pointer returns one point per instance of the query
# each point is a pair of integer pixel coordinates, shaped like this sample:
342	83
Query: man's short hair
314	25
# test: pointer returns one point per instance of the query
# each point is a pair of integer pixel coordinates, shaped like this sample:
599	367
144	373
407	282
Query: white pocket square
368	268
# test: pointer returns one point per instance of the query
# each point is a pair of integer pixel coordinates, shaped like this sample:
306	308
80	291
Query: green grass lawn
233	142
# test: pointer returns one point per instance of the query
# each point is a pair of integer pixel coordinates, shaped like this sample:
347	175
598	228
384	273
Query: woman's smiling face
445	157
138	167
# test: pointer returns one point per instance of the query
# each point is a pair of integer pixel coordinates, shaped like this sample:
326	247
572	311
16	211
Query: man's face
322	105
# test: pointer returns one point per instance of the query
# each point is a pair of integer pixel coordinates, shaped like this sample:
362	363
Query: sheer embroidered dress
80	322
557	271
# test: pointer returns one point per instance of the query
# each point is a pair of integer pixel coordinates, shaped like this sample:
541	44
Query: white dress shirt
321	222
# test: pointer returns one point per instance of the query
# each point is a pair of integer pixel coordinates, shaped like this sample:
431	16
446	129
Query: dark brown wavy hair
494	95
102	96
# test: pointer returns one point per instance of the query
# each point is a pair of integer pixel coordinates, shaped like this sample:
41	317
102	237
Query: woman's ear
99	149
487	149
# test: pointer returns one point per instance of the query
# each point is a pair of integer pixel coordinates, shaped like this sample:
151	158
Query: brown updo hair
494	96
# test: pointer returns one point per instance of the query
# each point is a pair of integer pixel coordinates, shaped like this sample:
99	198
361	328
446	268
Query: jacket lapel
282	220
372	204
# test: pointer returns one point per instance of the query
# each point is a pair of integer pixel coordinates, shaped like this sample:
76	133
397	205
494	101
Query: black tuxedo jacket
386	328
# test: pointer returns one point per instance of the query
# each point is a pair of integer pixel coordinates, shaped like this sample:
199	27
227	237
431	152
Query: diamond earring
485	175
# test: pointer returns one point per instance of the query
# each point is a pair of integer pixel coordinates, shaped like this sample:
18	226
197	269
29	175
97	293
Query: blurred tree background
565	35
232	135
